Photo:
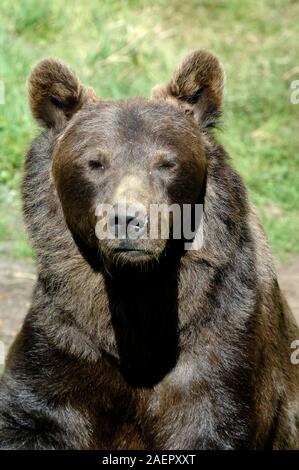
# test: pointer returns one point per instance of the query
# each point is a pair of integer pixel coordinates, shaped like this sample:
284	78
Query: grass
123	48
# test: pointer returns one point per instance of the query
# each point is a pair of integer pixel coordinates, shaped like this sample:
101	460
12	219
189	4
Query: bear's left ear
56	93
197	87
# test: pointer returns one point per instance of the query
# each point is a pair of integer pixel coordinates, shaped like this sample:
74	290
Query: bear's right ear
55	93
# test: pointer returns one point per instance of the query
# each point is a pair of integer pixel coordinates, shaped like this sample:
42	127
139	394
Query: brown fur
171	349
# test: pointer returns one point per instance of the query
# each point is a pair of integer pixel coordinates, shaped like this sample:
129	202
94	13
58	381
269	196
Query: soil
17	280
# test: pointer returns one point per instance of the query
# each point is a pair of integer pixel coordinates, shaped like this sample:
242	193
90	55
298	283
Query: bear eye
167	164
96	165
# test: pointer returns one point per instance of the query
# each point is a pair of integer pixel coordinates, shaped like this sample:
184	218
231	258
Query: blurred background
123	48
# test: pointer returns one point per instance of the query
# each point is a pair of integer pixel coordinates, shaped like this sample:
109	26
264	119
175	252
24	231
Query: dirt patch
16	283
17	280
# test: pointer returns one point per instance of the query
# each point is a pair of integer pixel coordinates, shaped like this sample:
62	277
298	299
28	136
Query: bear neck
144	312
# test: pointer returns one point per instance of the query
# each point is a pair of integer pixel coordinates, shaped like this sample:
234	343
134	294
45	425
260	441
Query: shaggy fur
173	349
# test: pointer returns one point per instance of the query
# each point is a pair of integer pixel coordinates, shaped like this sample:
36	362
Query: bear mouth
133	251
128	250
128	246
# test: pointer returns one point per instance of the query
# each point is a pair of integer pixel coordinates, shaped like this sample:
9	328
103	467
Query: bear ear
197	87
55	93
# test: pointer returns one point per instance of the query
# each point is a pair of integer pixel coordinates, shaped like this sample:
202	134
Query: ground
17	280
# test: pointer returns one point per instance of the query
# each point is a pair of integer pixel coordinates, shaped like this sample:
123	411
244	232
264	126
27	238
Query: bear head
112	161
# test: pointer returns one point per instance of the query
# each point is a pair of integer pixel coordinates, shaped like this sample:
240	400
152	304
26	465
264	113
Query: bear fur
160	348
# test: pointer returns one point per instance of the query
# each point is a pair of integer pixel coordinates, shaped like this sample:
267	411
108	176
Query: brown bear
139	342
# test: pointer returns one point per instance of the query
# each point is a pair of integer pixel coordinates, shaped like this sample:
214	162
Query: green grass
123	48
13	239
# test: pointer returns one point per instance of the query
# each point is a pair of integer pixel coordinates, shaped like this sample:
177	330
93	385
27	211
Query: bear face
127	155
115	154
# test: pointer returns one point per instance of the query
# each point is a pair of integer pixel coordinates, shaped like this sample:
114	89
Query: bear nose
128	223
